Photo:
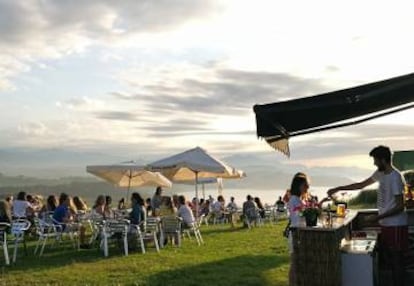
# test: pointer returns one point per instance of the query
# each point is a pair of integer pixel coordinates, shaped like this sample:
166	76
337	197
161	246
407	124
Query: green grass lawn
229	257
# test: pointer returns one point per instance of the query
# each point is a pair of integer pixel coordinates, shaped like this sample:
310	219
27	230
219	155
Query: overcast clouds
176	74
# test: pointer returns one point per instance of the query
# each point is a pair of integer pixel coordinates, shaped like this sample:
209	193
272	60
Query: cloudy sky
153	77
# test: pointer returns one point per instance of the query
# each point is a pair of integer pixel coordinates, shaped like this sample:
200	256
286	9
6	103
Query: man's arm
351	187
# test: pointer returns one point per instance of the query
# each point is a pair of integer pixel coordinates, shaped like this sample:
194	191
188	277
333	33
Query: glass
340	210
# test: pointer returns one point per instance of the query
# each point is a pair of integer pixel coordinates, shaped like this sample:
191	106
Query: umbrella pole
129	185
196	189
204	191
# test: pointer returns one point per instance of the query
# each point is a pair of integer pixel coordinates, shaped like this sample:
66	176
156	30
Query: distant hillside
53	171
87	190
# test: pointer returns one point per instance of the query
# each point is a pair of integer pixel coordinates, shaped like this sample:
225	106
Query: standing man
391	213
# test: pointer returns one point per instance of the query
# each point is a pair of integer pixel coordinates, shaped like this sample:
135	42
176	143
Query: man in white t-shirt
391	212
21	206
185	212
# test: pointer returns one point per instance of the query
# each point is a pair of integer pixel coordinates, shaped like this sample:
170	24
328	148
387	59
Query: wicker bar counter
317	256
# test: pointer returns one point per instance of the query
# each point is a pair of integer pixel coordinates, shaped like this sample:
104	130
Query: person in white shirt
21	206
185	212
232	206
218	207
391	212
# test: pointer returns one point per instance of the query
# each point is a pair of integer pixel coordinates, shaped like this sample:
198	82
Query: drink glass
340	210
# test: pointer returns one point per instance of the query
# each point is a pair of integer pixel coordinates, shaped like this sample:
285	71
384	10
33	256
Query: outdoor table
317	255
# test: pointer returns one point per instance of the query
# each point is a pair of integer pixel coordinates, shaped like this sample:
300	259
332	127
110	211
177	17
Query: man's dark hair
63	197
21	196
381	152
181	200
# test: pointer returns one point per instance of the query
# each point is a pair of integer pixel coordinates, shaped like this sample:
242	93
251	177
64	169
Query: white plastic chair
4	226
45	231
193	228
171	228
135	230
151	229
18	229
115	229
70	229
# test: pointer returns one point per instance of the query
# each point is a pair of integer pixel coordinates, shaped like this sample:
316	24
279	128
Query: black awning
281	120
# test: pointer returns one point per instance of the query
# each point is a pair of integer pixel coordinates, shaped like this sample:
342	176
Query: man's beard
381	168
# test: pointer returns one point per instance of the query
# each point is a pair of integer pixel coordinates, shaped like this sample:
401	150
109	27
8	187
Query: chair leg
200	238
178	236
24	245
16	241
197	237
43	246
156	242
6	251
126	245
37	245
105	245
162	238
141	242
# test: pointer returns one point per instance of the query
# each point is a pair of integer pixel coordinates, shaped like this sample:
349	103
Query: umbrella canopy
192	165
128	174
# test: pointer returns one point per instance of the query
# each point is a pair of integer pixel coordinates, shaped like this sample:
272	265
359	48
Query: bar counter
317	255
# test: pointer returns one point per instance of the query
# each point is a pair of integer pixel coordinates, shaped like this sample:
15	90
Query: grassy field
228	257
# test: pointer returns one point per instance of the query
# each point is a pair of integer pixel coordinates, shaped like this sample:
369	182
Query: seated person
185	212
139	212
205	208
280	205
108	212
5	212
62	214
167	207
218	207
21	207
98	209
49	207
80	204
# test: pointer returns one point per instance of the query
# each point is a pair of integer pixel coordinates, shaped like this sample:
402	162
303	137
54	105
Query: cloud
116	115
224	91
32	129
81	103
32	31
351	141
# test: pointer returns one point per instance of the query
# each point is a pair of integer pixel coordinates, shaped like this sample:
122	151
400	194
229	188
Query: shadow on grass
224	228
57	256
241	270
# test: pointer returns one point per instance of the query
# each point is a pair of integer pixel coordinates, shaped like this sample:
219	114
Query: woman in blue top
138	213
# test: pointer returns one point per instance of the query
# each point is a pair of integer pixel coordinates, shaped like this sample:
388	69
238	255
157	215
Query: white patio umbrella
193	164
129	174
203	182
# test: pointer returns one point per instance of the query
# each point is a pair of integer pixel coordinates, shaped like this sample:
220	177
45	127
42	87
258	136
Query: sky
150	78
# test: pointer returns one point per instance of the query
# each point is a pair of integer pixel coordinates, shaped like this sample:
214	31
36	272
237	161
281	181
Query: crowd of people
64	209
392	219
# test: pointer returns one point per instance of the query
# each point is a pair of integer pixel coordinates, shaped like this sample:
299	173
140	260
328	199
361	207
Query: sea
268	197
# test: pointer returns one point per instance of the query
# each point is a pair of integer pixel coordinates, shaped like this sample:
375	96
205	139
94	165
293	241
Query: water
266	196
